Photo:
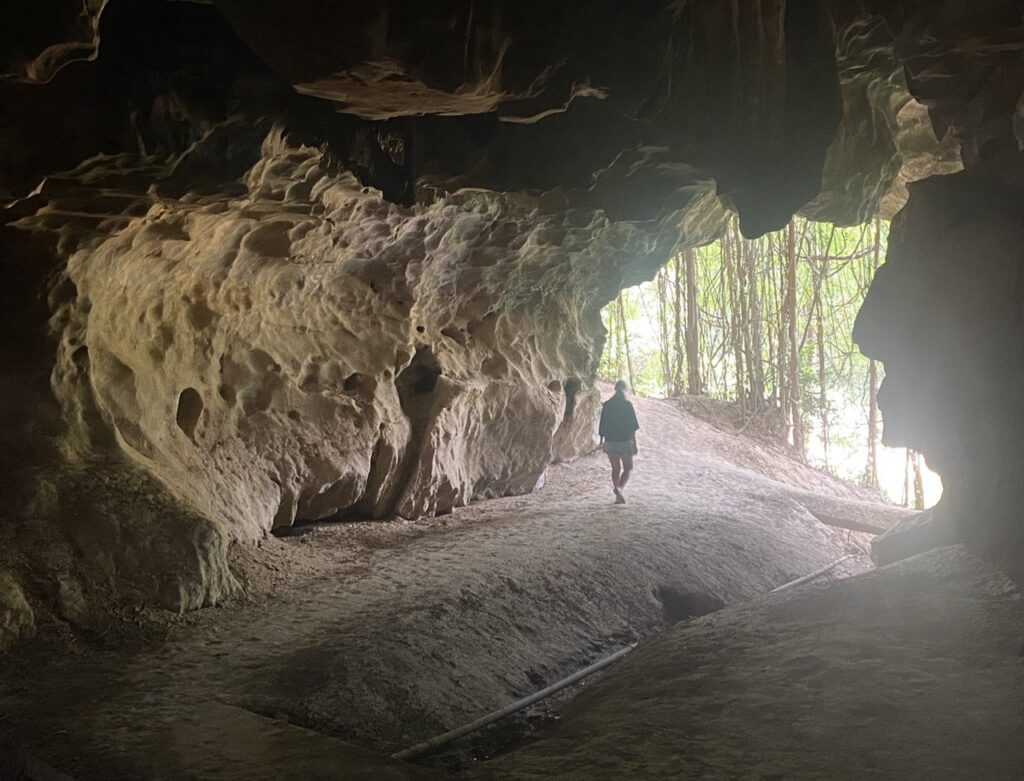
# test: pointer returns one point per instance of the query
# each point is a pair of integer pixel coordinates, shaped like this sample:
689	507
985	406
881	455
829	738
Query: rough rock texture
267	262
569	89
302	348
944	312
307	347
16	617
884	140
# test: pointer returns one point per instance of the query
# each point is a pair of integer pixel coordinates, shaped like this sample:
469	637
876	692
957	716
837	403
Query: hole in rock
572	387
352	382
190	407
421	375
554	386
683	605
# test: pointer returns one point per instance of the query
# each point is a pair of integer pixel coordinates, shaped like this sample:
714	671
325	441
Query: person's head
621	387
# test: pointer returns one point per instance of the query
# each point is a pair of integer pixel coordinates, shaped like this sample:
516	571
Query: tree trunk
731	262
677	311
822	385
693	379
783	349
617	329
625	342
794	348
742	252
872	468
754	357
915	460
666	346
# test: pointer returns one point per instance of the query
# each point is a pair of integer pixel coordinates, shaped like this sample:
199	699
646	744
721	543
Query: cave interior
268	265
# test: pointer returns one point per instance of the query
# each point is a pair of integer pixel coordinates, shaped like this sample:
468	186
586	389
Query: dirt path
385	633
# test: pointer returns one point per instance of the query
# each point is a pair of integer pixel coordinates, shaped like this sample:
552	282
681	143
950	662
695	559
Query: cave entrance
757	334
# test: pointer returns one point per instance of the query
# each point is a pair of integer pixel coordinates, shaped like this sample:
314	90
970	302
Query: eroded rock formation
944	312
307	347
282	261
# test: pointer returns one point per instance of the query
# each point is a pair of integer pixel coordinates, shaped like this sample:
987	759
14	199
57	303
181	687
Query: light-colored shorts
620	448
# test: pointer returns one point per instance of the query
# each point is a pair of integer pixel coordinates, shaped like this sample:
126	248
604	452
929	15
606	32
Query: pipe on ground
447	737
490	718
813	575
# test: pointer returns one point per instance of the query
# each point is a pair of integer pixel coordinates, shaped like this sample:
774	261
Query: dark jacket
618	420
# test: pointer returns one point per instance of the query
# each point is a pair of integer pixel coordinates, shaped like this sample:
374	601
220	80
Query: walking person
618	436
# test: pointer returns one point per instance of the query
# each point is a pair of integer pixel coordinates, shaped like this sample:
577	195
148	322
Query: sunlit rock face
308	348
297	347
886	139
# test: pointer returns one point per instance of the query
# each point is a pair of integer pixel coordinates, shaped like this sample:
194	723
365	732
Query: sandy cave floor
910	672
382	634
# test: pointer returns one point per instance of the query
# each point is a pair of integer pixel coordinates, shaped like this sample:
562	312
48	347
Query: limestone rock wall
944	315
308	348
297	347
885	139
944	312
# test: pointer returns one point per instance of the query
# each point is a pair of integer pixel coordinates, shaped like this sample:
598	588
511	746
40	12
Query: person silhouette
617	431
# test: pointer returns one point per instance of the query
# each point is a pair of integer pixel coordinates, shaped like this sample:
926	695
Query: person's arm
600	432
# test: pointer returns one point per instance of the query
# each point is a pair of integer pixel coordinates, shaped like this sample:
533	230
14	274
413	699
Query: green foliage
740	331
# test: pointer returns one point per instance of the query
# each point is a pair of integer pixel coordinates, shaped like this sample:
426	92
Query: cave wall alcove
239	242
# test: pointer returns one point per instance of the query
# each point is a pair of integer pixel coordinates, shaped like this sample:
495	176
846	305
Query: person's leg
627	470
616	463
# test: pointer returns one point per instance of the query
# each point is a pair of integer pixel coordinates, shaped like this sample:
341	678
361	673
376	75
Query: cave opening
713	329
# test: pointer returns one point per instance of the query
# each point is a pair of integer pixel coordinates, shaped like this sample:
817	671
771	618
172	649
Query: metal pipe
816	574
458	732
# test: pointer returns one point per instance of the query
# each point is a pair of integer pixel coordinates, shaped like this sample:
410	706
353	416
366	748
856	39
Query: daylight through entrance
761	331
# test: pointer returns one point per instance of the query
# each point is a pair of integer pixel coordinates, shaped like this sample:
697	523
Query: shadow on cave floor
384	634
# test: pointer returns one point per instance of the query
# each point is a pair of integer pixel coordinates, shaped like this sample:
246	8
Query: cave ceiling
635	109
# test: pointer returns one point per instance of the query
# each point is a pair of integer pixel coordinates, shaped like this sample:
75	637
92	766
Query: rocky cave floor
368	637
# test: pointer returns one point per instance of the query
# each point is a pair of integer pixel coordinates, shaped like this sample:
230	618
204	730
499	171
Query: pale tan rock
310	349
